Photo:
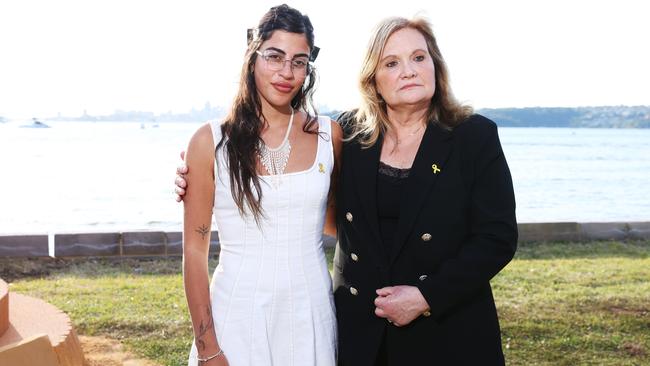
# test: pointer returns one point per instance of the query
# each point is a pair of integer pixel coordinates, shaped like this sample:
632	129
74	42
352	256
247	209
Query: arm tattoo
204	329
203	230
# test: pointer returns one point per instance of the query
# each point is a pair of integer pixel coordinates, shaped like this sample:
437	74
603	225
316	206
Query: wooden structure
34	332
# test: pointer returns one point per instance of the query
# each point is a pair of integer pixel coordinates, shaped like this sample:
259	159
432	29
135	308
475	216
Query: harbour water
115	176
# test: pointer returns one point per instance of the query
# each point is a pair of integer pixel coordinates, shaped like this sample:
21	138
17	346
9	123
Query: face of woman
405	75
281	67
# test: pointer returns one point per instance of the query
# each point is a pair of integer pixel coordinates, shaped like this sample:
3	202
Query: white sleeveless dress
271	293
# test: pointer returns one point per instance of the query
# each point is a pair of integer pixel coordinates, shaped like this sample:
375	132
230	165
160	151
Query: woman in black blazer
425	214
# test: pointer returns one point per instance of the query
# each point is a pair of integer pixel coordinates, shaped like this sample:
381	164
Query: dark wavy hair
243	125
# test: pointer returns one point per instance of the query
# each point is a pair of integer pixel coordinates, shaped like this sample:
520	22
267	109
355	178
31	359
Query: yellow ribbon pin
321	168
435	168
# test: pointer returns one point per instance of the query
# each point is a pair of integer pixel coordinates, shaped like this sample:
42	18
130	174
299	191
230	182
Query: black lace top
393	172
390	186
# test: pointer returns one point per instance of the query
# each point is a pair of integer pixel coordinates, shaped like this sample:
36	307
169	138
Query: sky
71	56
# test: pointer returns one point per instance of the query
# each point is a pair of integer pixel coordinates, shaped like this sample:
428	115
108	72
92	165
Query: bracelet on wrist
206	359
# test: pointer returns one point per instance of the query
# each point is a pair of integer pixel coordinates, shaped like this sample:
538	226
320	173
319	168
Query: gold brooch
435	168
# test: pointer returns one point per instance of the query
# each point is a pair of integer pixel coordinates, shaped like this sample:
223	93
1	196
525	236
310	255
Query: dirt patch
635	350
102	351
620	310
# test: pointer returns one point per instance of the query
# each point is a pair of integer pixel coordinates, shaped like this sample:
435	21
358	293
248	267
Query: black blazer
457	229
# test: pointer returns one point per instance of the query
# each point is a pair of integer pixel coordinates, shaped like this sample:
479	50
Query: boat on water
153	124
36	124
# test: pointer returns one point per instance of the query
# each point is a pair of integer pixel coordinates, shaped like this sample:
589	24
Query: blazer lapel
429	163
366	181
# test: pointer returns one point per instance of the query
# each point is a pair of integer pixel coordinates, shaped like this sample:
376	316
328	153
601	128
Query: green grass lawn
559	304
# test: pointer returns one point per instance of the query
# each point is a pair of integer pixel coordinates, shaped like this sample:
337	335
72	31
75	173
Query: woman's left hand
400	305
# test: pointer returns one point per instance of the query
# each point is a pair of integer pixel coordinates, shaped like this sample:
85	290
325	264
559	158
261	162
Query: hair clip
251	34
314	54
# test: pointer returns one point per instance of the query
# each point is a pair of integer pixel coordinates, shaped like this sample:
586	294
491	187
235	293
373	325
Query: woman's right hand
180	182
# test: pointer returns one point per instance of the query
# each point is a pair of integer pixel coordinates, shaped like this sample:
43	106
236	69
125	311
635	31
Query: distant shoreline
594	117
574	117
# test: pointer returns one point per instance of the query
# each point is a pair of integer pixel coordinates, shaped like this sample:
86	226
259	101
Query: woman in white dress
265	174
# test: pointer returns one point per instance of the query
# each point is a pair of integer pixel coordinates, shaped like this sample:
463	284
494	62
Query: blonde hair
371	119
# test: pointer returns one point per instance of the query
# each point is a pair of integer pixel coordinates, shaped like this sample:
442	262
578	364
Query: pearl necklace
275	159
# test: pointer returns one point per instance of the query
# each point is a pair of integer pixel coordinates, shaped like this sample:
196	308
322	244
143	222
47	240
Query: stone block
214	243
603	231
143	243
175	243
638	230
328	241
91	244
551	231
24	246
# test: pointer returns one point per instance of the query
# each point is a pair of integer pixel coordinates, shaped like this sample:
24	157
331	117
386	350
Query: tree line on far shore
609	117
595	117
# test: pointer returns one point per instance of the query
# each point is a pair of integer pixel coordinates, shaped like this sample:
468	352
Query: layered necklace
275	159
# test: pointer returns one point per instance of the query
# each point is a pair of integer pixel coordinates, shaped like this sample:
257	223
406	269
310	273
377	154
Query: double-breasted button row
354	257
349	217
426	237
354	291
